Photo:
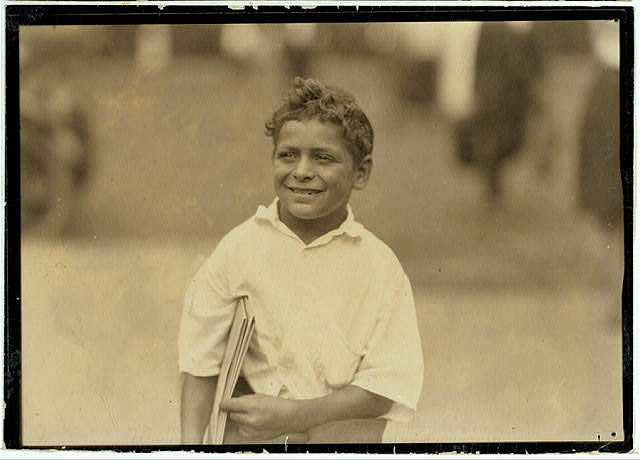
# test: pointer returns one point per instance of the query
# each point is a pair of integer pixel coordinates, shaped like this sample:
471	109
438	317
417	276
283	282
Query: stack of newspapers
234	353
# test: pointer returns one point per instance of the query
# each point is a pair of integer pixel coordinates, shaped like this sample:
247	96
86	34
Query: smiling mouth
304	191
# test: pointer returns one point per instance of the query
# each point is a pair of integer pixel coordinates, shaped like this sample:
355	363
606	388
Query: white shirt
335	312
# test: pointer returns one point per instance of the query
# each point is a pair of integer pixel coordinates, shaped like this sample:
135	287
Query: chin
302	213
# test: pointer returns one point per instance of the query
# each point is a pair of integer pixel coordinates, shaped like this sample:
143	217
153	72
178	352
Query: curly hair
310	99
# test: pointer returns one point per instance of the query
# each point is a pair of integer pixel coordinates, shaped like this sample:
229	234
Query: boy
336	351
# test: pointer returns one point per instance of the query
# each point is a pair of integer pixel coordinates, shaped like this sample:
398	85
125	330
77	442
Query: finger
240	418
234	405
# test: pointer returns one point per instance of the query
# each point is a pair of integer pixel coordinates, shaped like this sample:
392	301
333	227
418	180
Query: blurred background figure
567	73
600	192
56	143
421	51
507	64
599	174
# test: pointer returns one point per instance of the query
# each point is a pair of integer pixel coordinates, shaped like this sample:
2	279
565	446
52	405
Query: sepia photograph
304	233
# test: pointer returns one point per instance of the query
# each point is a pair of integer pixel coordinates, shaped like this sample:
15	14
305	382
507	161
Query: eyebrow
327	149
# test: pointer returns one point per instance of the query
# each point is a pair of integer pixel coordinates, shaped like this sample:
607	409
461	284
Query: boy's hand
260	416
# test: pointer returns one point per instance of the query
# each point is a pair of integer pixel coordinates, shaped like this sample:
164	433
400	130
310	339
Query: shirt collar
348	227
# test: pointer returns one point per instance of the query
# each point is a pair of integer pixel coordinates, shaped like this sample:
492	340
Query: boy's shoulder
378	251
239	236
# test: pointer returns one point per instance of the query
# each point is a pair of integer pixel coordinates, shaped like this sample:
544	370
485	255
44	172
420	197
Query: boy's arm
350	402
195	409
264	417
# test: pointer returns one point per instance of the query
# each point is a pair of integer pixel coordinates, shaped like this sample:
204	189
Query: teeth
304	192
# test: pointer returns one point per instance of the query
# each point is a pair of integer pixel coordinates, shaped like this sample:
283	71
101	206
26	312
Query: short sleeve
206	317
392	365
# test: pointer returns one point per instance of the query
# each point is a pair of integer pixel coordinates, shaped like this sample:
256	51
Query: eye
285	155
323	157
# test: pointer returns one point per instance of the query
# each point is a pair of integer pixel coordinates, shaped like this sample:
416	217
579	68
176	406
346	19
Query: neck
309	230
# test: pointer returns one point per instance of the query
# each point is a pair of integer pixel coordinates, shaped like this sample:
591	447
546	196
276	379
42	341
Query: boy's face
314	173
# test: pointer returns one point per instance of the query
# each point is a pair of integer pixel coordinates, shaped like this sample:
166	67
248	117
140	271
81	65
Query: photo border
18	15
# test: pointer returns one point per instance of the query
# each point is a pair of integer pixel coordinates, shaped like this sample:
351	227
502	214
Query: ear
362	173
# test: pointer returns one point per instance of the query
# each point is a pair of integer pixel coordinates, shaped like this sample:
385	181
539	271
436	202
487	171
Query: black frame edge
17	15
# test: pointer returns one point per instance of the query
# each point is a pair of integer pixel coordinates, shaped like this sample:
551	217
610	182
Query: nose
304	169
